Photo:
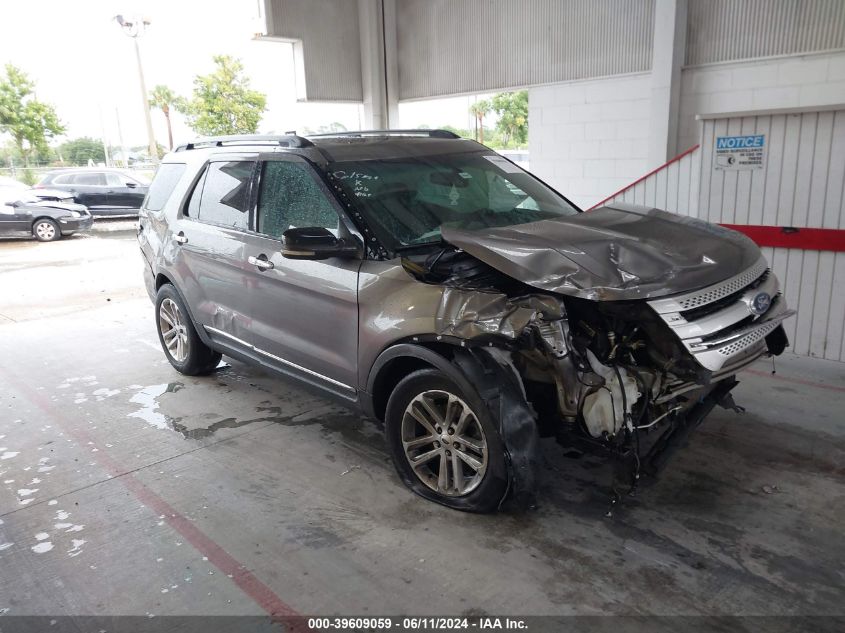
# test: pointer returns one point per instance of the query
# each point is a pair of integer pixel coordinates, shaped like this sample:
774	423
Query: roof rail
362	133
286	140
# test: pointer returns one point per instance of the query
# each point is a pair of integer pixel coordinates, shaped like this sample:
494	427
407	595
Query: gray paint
727	30
614	253
331	50
447	47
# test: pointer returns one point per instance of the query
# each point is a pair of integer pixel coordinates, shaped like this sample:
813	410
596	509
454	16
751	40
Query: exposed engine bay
610	376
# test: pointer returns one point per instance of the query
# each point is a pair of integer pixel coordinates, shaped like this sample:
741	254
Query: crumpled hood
617	252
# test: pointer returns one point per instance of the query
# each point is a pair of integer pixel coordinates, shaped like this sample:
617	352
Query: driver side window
290	197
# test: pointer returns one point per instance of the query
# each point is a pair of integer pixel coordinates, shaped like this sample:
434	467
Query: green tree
163	98
222	102
28	121
479	110
80	150
512	111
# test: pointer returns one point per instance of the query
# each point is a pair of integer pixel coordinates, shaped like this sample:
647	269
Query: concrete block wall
787	82
590	138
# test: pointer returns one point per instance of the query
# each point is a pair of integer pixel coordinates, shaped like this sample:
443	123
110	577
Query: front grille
752	337
714	293
717	325
703	310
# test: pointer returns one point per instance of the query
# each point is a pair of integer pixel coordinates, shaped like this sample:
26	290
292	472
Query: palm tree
480	109
162	98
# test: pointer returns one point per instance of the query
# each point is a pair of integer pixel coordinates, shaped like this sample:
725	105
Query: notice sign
735	153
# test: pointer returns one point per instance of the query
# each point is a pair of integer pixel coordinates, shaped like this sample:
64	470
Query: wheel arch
162	279
488	371
399	360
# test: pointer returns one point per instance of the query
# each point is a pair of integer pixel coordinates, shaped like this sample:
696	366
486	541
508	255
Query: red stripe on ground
795	381
791	237
248	582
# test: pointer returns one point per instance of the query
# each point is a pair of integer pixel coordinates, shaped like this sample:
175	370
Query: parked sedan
106	192
46	221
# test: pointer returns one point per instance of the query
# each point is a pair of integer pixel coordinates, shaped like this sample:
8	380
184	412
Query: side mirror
131	185
315	242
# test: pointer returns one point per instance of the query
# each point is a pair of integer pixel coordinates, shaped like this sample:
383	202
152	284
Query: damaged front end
632	378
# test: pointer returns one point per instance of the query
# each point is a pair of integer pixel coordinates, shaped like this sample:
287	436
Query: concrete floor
126	488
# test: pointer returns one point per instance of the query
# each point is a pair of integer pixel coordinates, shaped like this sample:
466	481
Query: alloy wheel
444	443
173	330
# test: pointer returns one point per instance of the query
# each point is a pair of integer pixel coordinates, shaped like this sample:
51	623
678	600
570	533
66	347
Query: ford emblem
761	302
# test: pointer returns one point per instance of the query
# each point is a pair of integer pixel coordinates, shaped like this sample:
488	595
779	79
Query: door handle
180	238
260	262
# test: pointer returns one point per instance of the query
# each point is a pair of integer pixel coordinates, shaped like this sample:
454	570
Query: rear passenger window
163	184
289	196
89	179
224	195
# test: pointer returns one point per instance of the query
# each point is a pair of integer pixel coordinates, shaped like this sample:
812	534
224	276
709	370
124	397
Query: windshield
406	201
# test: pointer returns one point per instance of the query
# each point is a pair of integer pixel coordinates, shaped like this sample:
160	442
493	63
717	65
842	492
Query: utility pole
134	28
105	142
120	140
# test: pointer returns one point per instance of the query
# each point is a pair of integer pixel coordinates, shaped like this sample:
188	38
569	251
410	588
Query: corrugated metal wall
801	186
725	30
674	188
459	46
331	44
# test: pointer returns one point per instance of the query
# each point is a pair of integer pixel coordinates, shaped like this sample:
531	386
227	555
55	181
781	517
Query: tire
182	347
476	450
46	230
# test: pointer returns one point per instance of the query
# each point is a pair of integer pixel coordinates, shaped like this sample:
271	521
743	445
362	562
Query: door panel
211	261
306	312
90	189
14	219
123	197
213	276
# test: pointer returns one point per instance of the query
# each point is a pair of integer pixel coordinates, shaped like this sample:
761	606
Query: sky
84	65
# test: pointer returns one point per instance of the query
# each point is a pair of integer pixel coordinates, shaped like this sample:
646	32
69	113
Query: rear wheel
46	230
178	336
444	443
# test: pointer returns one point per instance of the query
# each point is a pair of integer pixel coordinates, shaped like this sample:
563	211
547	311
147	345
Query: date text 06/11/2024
429	623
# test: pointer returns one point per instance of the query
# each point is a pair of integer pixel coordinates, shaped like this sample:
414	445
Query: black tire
46	230
195	357
489	492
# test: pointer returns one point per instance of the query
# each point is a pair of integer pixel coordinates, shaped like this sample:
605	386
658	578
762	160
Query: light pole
134	28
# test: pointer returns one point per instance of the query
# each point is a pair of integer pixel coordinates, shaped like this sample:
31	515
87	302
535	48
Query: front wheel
444	443
178	336
46	230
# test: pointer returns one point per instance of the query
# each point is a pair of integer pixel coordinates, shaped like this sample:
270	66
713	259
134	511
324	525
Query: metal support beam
377	24
670	31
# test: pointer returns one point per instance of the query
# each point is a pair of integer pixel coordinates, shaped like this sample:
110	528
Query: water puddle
148	399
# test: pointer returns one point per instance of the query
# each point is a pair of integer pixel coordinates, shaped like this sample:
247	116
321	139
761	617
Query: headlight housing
75	214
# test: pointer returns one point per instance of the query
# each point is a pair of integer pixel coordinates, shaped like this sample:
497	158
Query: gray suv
443	290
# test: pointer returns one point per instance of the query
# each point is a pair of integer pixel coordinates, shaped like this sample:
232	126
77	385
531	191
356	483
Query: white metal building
617	90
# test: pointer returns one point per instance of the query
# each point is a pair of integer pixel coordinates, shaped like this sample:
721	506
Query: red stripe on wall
791	237
651	173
